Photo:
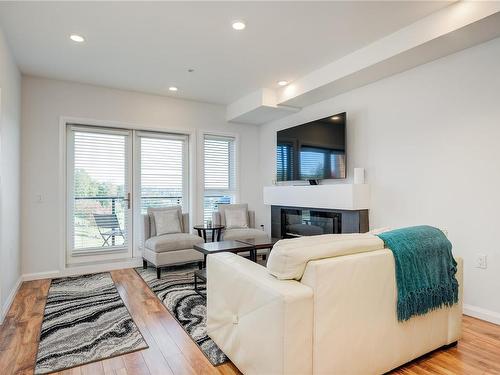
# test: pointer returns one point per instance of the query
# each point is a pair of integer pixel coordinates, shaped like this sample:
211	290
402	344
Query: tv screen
312	151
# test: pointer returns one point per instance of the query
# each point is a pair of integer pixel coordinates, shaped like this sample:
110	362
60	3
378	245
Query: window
219	173
163	170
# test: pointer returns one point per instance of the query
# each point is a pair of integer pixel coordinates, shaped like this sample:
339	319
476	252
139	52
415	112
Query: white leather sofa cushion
241	234
289	257
264	325
356	330
172	242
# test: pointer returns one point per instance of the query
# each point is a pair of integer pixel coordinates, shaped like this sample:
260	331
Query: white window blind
99	190
163	170
284	162
219	171
312	163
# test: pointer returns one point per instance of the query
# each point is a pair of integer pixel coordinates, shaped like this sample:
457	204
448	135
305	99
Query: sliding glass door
114	175
161	175
99	182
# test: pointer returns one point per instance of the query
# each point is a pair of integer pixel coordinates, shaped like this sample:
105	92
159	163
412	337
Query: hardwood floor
172	352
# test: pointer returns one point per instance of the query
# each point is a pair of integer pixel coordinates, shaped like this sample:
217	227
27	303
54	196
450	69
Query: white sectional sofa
331	311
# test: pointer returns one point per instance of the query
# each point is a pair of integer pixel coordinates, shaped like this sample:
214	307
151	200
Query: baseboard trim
41	275
82	270
10	299
483	314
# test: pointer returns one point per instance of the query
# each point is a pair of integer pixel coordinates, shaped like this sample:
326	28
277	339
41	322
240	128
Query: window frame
235	191
75	256
186	186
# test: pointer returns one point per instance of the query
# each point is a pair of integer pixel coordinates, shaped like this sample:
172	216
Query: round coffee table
215	229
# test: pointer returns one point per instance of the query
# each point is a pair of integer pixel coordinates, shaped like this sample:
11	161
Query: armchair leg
158	272
144	264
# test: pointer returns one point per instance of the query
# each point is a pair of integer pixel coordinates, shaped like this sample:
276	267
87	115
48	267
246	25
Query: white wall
429	139
10	154
44	101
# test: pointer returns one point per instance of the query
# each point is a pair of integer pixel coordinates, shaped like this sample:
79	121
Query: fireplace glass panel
306	222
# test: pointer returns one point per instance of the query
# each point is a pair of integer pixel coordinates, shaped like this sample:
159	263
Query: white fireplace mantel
331	196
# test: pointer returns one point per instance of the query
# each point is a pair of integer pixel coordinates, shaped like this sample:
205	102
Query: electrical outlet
482	261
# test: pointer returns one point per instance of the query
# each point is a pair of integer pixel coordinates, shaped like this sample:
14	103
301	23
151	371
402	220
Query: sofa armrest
264	325
251	219
146	227
185	223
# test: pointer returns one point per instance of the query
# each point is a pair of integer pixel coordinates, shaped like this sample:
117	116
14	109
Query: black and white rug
176	291
85	320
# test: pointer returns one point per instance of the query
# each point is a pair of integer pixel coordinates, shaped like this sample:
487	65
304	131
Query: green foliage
86	186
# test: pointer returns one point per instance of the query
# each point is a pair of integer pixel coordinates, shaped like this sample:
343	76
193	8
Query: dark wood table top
223	246
204	227
259	243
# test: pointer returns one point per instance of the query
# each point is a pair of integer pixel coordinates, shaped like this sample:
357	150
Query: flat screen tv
312	151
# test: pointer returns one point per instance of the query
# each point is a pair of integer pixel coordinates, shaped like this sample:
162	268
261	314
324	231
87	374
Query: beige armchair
239	232
172	248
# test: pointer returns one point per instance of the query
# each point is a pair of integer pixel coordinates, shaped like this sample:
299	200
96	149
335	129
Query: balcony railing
88	234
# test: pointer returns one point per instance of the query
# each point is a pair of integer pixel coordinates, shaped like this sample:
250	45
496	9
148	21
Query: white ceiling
149	46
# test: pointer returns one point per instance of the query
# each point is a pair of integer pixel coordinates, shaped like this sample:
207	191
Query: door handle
127	200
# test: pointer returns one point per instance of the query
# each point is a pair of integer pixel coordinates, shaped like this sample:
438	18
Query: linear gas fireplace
290	222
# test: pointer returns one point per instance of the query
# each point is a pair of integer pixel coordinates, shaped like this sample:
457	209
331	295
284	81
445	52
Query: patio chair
109	228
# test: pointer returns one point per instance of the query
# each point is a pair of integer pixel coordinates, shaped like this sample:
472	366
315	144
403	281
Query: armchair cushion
234	211
172	242
217	218
167	222
153	210
236	217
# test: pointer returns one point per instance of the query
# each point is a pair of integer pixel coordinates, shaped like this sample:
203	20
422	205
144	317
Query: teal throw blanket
425	269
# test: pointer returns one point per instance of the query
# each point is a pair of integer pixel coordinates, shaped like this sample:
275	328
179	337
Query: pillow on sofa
289	257
165	220
236	217
380	230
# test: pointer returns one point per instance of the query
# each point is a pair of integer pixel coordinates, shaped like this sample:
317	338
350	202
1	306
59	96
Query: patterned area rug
85	320
176	291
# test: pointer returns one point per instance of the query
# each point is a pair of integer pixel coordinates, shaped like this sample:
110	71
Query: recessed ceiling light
77	38
282	83
172	88
239	25
336	118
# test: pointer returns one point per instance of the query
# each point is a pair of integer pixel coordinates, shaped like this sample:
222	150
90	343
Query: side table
215	229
